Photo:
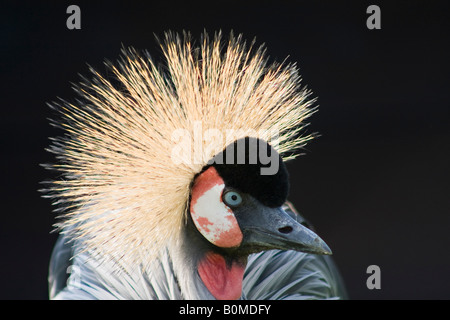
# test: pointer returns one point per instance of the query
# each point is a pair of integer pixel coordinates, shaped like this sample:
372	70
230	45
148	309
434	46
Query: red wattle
224	282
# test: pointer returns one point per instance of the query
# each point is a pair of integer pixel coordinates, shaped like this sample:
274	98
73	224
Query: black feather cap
253	166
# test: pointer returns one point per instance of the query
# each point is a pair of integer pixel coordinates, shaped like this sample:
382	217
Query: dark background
375	184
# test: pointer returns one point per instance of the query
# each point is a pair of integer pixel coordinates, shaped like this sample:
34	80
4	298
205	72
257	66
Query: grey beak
273	228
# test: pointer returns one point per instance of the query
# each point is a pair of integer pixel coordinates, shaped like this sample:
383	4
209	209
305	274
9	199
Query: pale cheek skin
215	221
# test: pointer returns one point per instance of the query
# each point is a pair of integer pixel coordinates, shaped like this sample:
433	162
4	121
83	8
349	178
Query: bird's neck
222	278
205	271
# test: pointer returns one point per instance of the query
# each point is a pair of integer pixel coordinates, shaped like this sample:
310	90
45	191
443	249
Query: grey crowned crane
173	183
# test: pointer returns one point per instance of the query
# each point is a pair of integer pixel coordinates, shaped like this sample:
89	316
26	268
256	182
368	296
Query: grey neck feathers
185	256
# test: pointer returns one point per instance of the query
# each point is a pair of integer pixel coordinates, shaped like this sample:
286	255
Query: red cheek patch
203	223
205	181
215	221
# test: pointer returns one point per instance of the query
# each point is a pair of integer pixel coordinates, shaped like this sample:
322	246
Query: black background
375	184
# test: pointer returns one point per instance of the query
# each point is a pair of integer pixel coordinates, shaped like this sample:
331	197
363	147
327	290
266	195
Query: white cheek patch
215	221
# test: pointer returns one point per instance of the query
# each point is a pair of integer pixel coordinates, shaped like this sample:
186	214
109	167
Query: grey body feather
269	275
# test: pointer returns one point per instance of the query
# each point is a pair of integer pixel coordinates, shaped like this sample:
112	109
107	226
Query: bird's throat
222	279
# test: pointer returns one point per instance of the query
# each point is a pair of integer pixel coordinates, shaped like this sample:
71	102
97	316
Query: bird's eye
232	198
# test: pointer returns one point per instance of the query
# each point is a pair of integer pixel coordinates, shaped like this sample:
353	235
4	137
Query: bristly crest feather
121	193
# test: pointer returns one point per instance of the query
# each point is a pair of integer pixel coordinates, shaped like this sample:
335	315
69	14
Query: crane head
238	210
125	199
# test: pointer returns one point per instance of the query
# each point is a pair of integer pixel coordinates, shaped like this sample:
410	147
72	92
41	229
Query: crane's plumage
134	146
269	275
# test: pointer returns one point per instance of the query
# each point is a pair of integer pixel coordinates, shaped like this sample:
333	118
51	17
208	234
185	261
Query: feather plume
131	145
